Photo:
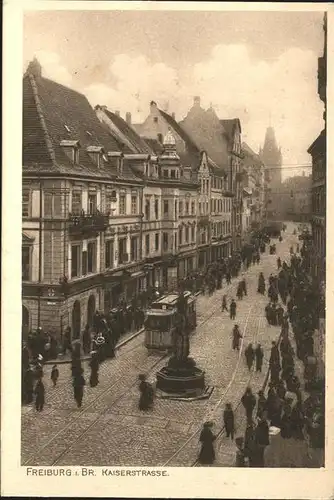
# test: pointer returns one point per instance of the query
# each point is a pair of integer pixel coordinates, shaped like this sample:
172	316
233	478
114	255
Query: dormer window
71	149
97	155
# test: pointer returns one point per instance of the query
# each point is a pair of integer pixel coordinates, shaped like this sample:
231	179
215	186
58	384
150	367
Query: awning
138	274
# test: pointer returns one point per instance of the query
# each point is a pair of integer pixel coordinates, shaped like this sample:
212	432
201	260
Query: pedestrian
297	421
40	395
261	440
146	393
78	385
94	366
229	421
281	389
286	423
261	404
250	355
54	375
233	309
228	277
28	386
259	358
248	401
279	263
250	444
240	459
243	286
240	291
67	340
224	303
207	454
86	339
236	338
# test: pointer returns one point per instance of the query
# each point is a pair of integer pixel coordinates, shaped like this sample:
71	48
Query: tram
161	321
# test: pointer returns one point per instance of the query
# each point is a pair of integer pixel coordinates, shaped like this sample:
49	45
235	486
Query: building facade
214	238
106	214
318	217
296	198
254	182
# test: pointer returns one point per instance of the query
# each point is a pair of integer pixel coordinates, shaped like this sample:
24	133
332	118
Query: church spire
272	157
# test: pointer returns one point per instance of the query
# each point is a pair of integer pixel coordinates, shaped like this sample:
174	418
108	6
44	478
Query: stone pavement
110	430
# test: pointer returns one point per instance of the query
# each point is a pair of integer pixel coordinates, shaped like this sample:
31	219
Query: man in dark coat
40	395
229	421
250	355
248	401
236	338
86	339
261	404
78	386
261	440
259	357
233	309
243	286
94	366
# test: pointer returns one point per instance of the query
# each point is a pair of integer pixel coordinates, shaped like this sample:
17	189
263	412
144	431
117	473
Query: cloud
53	69
282	91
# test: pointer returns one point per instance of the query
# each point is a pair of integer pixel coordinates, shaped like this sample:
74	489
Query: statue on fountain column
181	347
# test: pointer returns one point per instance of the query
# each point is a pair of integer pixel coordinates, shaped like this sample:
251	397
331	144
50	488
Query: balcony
87	224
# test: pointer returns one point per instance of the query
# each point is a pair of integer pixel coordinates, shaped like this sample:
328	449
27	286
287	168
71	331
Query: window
92	205
180	208
76	156
134	204
25	203
26	266
165	241
193	208
75	262
175	209
166	208
172	174
147	244
200	208
187	235
76	202
122	255
165	174
84	262
134	248
212	202
156	209
122	204
109	254
91	257
187	208
157	241
180	235
147	208
193	233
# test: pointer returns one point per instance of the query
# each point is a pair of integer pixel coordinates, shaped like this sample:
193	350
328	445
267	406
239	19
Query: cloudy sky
258	66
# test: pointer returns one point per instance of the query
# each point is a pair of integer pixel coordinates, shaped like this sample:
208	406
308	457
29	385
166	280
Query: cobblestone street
110	430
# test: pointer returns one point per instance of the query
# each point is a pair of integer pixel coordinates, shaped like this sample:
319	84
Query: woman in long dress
207	454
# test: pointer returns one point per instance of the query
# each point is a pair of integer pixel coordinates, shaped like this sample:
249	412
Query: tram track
100	396
129	386
221	398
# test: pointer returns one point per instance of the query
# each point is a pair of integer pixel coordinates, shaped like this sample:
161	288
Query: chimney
34	68
197	101
128	118
173	116
153	106
117	113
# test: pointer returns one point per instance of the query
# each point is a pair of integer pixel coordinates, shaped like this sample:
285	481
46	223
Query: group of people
283	407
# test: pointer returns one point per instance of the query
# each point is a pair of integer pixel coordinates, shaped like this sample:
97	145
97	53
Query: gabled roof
192	155
229	126
53	113
138	144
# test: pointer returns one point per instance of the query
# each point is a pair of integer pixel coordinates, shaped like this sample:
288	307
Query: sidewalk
62	359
